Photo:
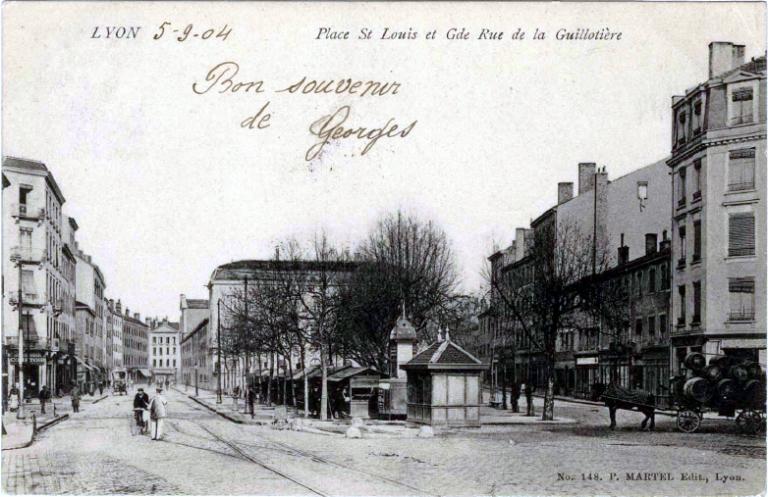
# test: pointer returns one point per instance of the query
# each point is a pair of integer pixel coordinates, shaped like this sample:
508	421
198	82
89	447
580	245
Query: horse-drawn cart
725	385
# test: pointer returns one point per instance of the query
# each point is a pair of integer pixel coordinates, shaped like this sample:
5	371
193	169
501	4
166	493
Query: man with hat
140	404
157	413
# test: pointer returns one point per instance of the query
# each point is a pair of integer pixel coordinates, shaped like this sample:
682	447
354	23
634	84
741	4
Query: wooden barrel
753	392
739	373
713	373
697	389
727	389
695	361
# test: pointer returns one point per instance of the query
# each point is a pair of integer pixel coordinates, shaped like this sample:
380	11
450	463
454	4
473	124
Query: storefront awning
145	372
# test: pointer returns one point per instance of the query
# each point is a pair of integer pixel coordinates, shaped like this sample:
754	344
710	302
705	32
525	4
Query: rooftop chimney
650	243
118	307
564	192
623	252
586	176
137	316
127	312
665	243
519	243
724	56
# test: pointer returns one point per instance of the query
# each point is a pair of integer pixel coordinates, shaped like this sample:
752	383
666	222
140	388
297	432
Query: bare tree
403	259
557	286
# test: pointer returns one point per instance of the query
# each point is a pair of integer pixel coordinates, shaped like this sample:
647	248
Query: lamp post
218	351
196	375
16	258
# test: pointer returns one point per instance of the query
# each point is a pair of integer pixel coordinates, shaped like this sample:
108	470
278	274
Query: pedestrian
515	396
91	388
101	388
75	393
15	401
157	413
140	405
529	388
251	399
44	395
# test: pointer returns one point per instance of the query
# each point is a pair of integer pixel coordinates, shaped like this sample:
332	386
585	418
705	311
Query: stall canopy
145	373
348	372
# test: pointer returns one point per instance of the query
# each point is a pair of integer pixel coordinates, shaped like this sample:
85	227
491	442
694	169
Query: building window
741	234
154	352
683	248
741	106
154	363
652	325
681	187
664	277
696	119
154	339
663	324
652	280
697	179
696	303
696	241
639	283
681	316
638	327
742	299
681	127
741	170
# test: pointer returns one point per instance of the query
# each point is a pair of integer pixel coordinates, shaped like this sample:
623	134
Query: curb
99	400
50	423
40	428
223	415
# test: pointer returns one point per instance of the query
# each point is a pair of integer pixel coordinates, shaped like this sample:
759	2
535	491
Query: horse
647	408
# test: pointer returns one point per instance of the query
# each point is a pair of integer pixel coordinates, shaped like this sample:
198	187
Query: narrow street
95	453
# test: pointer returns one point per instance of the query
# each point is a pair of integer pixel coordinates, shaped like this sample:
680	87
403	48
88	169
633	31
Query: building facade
165	351
90	310
718	210
136	347
34	284
195	358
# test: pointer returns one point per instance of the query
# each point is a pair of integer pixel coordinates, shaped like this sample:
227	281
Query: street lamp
197	364
16	258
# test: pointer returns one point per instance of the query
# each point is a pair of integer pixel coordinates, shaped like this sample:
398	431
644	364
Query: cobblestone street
95	453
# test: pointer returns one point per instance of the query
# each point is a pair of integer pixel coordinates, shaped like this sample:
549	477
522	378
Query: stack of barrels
726	382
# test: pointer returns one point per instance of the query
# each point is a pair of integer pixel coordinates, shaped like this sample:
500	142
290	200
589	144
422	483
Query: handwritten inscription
331	127
224	78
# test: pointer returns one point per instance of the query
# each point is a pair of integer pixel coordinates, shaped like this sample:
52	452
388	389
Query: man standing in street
75	393
157	413
140	404
529	388
251	398
44	395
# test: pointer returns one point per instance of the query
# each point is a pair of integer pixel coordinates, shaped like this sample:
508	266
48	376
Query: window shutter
741	234
741	169
742	94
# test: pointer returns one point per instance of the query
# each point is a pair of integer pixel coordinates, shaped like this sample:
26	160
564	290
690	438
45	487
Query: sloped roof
349	372
239	269
444	355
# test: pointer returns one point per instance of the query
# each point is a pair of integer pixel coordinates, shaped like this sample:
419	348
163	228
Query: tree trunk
306	382
290	376
503	382
324	388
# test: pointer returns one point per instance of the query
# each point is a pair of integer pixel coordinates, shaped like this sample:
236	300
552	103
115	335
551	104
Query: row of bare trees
340	303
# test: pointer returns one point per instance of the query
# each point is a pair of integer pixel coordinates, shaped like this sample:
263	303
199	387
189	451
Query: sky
166	184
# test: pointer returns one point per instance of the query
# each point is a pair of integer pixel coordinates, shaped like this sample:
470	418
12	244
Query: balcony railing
696	196
24	211
741	316
27	254
681	202
681	321
741	186
681	263
695	258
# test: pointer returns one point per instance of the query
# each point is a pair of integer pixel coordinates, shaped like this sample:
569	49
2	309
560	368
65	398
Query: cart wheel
750	422
688	420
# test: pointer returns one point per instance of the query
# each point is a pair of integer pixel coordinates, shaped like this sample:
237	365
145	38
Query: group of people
527	388
150	413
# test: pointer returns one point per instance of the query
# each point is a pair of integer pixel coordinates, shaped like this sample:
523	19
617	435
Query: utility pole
247	337
20	411
218	351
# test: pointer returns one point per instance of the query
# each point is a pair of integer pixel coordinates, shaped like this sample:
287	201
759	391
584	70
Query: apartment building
718	167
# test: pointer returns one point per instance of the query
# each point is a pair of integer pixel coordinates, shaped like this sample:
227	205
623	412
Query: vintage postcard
384	249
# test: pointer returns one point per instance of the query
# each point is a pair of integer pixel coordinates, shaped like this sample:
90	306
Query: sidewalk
21	432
